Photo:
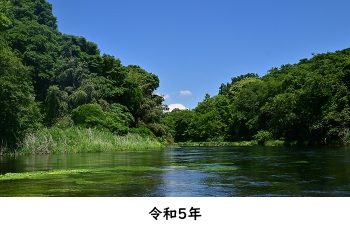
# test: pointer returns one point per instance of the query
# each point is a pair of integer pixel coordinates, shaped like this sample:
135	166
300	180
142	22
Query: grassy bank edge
78	140
278	143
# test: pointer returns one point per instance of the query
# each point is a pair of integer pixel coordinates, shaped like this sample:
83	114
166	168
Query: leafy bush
114	123
346	137
142	131
64	122
88	116
92	116
262	136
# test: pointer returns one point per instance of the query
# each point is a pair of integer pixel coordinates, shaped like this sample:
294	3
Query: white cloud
176	106
166	96
185	93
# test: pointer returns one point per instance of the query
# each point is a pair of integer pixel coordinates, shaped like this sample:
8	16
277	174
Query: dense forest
306	103
51	80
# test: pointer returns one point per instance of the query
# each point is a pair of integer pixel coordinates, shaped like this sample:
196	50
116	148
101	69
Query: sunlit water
185	172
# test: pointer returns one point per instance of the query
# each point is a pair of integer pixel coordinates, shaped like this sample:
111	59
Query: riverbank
237	143
278	143
79	140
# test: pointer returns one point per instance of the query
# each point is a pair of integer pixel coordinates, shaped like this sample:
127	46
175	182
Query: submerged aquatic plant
59	173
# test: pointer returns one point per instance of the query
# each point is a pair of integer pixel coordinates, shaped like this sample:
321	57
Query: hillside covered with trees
51	82
50	79
306	103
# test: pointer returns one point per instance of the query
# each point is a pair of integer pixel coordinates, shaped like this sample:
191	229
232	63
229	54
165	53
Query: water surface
182	172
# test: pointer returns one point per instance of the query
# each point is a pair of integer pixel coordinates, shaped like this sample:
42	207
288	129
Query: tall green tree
19	112
151	107
5	22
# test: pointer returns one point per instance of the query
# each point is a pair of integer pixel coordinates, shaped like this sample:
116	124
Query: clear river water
181	172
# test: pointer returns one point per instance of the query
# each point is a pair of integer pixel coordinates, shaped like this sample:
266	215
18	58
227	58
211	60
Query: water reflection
186	172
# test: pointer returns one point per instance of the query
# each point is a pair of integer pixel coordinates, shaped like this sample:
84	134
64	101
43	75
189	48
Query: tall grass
78	140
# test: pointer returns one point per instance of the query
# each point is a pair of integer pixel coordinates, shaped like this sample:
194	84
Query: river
182	172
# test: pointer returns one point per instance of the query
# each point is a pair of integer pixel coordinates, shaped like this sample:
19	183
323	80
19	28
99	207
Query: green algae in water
213	172
75	182
40	174
61	173
300	162
217	168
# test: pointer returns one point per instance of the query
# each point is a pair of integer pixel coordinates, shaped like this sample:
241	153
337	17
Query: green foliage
88	116
57	104
150	108
122	111
207	122
304	103
142	131
262	136
5	22
79	140
72	84
235	84
92	116
19	113
211	115
64	122
72	73
37	46
179	122
346	137
39	11
67	73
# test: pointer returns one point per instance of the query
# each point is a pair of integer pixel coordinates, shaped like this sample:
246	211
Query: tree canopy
307	102
52	79
47	77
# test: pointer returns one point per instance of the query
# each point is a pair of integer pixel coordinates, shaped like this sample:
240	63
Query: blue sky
193	46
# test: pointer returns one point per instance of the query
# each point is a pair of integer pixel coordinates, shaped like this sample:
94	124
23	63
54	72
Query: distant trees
306	102
51	79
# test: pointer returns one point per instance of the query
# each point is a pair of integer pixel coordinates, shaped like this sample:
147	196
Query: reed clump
79	140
